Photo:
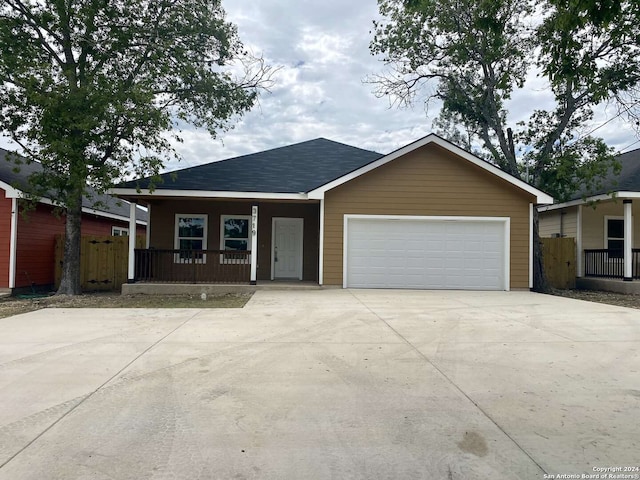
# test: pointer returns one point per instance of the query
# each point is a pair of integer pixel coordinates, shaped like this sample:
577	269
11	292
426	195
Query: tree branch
29	19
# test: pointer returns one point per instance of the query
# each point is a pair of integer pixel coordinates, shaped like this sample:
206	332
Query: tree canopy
472	55
96	90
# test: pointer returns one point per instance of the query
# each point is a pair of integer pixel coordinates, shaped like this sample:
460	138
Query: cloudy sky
322	49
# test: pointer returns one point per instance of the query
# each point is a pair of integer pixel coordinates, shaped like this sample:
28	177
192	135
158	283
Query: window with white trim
119	232
190	234
235	234
614	236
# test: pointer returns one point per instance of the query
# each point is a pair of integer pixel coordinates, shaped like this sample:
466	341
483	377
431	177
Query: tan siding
549	224
593	227
593	222
559	223
428	181
570	226
163	227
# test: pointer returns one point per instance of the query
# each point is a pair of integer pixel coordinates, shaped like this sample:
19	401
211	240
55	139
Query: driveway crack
100	387
449	380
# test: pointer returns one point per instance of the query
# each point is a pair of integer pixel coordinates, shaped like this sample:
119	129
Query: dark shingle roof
100	202
628	180
296	168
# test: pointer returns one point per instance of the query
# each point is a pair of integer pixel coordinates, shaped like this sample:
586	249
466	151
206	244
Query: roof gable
541	197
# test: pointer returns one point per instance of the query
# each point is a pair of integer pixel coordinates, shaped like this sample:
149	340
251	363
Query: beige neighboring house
427	216
605	227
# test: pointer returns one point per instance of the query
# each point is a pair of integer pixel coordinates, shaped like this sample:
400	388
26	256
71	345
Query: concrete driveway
327	384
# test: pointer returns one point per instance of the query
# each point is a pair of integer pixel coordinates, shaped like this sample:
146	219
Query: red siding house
27	239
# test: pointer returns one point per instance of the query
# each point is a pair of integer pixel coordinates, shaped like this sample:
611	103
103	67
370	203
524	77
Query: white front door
286	255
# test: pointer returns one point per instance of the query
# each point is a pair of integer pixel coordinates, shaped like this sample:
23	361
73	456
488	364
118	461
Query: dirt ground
620	299
15	305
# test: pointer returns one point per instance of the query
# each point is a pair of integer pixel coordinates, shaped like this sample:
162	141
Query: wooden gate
560	261
103	261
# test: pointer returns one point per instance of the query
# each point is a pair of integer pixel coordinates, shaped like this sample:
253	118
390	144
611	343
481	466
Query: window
191	234
615	237
119	232
235	234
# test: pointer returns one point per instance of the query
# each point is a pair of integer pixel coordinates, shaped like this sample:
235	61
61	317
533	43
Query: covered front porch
606	237
221	241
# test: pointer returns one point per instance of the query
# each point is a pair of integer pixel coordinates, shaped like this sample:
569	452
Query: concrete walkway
328	384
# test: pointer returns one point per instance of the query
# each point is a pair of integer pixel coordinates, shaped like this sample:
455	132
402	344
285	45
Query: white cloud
323	50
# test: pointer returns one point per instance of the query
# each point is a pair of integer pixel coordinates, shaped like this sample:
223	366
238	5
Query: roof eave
10	192
146	193
113	216
593	198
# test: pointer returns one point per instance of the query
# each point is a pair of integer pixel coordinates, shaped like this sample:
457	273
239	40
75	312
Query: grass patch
13	305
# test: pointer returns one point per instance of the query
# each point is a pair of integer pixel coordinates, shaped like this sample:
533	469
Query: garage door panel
429	253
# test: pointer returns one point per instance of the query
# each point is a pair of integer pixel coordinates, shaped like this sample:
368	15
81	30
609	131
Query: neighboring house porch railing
605	263
192	266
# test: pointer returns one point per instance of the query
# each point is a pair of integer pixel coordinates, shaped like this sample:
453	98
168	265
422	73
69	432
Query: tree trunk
70	281
540	283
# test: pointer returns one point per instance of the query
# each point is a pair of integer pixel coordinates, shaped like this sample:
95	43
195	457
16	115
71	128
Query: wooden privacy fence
103	261
560	261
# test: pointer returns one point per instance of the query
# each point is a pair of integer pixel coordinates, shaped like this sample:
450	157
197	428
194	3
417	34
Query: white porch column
321	253
579	252
254	244
531	207
132	242
148	230
13	243
628	241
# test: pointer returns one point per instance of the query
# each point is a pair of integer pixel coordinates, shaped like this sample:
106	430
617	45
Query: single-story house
27	241
429	215
602	223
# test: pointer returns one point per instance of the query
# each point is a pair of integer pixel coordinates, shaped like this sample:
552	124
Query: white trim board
132	192
579	255
13	243
505	220
10	191
321	246
531	207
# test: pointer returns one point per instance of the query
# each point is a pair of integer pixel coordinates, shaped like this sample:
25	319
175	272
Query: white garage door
426	253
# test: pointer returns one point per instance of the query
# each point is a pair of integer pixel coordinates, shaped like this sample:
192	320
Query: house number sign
254	219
